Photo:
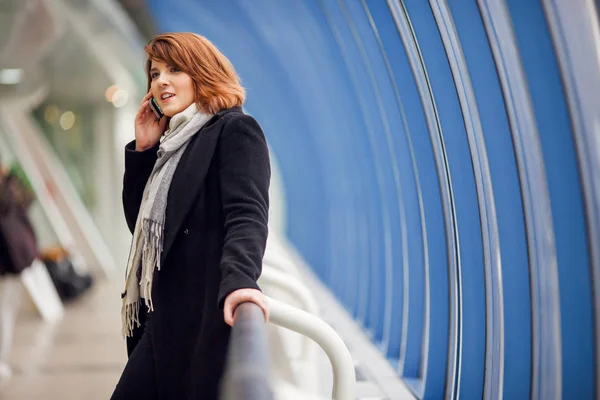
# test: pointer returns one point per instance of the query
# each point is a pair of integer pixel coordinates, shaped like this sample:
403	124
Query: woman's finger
228	314
252	296
143	107
261	300
265	308
146	98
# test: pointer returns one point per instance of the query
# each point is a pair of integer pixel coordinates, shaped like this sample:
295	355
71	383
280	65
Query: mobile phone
155	108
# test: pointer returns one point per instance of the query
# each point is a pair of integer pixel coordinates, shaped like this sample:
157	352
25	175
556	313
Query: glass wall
75	83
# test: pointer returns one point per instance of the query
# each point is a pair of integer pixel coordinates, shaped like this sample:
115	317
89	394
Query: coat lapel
189	178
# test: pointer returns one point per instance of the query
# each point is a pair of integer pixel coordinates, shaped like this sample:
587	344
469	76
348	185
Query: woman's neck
181	118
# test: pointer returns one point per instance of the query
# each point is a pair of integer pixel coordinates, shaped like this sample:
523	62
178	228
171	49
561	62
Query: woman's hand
148	129
240	296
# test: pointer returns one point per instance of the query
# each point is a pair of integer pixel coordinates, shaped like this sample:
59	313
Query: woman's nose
161	80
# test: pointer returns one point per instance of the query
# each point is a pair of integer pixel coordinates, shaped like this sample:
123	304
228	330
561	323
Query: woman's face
172	88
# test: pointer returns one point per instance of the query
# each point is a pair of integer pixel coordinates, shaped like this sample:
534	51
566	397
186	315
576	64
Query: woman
196	202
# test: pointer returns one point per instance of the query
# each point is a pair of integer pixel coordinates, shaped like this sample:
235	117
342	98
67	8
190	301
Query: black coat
215	237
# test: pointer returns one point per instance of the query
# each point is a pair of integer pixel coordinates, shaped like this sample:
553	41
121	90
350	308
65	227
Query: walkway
80	358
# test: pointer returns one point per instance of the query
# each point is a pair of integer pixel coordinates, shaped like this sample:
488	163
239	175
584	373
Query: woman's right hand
148	129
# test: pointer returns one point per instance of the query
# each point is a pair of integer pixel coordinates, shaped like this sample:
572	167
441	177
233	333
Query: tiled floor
79	358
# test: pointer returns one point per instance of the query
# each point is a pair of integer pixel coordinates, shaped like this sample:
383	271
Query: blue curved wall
439	178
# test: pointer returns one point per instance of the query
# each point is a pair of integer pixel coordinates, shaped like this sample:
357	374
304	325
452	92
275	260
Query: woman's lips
167	99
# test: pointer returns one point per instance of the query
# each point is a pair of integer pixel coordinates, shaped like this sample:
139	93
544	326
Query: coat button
186	232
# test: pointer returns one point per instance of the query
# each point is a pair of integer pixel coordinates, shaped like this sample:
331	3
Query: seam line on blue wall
581	83
417	63
416	178
494	364
546	369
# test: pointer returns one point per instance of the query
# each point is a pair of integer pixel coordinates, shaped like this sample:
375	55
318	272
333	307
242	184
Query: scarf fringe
152	247
153	233
130	318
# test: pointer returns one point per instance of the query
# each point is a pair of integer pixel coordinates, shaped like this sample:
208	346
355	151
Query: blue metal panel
432	338
575	31
566	201
415	201
339	23
286	64
516	321
293	65
546	378
469	278
333	273
430	169
348	236
395	220
411	212
487	209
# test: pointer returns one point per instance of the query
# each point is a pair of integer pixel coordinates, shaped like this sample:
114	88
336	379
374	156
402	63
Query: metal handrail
247	371
292	285
247	374
344	376
297	290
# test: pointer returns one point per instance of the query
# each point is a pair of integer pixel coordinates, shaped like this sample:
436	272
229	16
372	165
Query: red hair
216	83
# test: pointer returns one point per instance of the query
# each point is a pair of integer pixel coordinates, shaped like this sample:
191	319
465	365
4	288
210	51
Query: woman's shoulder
229	114
235	120
222	120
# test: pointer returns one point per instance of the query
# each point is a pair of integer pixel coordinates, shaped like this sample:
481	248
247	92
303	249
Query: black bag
69	284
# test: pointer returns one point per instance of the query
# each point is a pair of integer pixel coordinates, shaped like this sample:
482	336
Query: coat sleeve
138	167
245	174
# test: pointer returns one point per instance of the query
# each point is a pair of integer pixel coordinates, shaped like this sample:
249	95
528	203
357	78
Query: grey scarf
147	242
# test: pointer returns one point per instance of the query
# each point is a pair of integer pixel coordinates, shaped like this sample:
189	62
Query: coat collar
190	175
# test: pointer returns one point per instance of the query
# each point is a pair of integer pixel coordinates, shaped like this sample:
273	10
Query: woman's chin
171	111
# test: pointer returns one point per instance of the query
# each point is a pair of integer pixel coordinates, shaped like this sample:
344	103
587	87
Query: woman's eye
174	69
153	75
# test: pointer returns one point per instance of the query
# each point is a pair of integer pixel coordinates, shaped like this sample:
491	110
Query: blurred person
18	250
195	195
